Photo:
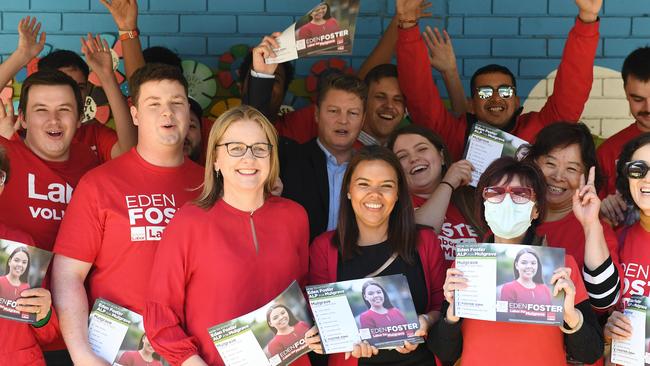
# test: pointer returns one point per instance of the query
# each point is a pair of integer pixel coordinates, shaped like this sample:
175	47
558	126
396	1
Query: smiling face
319	12
638	97
279	318
385	108
640	188
495	110
527	266
51	121
18	264
146	345
374	296
339	117
162	114
245	173
563	169
421	162
373	193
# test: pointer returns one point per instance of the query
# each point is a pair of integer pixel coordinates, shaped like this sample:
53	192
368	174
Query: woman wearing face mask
438	188
528	286
565	153
633	181
513	196
377	236
231	251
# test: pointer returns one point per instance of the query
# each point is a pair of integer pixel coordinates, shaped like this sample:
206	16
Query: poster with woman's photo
485	144
23	267
510	283
636	350
378	310
271	335
327	29
117	335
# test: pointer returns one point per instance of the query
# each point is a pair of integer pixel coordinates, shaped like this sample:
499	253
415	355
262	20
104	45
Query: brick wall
525	35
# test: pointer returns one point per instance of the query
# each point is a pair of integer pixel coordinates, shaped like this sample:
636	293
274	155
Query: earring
349	197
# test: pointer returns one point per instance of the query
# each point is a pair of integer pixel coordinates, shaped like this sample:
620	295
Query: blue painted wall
526	35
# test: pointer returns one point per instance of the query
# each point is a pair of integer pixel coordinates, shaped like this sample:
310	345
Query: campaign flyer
271	335
485	144
379	310
327	29
509	283
117	335
23	267
634	351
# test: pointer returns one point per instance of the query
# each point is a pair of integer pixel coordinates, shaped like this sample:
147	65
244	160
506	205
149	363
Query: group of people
331	192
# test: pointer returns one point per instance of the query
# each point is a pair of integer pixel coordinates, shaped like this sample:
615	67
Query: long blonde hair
212	187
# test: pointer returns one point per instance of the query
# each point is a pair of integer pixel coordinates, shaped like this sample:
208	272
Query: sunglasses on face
519	195
239	149
486	92
636	169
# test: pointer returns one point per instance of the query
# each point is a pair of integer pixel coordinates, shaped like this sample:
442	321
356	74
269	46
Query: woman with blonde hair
216	256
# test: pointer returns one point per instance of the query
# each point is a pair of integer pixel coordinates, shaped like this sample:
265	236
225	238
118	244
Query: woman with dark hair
513	202
16	275
438	188
565	153
381	312
287	328
377	236
236	242
528	286
144	356
320	22
633	182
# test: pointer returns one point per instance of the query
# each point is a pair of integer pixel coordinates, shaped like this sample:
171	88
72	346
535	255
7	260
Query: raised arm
29	46
125	15
575	73
443	59
98	57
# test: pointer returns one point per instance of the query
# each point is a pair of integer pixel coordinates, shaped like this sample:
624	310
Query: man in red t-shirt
107	242
636	81
494	98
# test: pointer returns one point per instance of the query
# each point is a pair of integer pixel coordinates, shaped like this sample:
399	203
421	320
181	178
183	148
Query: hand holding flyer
327	29
634	351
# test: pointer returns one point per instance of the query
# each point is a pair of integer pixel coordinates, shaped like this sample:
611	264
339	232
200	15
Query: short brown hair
49	77
154	72
348	83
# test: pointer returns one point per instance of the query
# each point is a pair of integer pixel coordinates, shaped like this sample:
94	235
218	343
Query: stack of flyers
378	310
635	351
271	335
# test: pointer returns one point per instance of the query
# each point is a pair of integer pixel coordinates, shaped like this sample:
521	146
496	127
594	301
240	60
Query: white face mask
507	219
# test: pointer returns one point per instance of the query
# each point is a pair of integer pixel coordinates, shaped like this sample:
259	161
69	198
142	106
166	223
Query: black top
371	258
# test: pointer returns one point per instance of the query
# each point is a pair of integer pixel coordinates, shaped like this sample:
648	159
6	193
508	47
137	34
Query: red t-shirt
608	154
567	233
116	221
19	342
501	343
283	341
310	29
9	291
635	260
99	138
454	230
218	264
372	319
133	358
514	291
38	191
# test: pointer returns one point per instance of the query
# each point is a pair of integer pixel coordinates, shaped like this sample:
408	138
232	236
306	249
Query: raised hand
588	9
441	52
124	12
459	173
265	50
9	124
29	42
98	54
586	204
412	9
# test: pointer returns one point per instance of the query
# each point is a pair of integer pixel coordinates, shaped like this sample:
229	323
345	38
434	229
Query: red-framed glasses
519	195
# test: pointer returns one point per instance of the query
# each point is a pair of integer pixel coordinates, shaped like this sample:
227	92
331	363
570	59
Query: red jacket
324	256
426	108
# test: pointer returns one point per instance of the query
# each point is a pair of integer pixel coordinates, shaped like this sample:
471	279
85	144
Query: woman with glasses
232	250
565	153
513	202
633	182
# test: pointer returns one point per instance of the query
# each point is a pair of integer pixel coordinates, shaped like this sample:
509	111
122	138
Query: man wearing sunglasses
636	82
494	97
